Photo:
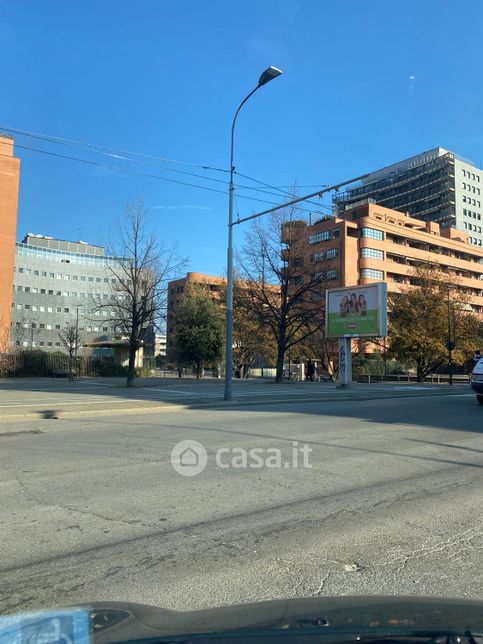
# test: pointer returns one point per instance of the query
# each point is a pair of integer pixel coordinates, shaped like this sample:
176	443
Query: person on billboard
353	305
344	306
362	303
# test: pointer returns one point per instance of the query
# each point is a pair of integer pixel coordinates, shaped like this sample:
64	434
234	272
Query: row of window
61	276
470	188
372	253
43	291
474	227
331	253
58	309
470	175
57	327
471	201
329	274
475	241
470	213
372	273
373	233
325	235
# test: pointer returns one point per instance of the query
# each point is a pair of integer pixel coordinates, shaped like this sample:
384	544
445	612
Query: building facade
176	289
371	243
436	185
9	182
56	283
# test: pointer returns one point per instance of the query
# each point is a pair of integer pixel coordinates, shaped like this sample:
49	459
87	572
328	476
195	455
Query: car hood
117	622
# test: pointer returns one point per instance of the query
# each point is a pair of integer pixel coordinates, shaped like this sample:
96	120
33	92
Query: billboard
356	311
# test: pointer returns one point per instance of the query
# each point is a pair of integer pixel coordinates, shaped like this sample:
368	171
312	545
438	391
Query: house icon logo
189	458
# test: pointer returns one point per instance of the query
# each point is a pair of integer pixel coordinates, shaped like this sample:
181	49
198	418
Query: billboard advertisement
358	311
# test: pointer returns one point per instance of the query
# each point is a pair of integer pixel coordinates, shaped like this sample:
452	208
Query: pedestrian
310	370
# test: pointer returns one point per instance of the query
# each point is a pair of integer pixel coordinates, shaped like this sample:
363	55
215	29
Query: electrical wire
119	155
146	174
73	143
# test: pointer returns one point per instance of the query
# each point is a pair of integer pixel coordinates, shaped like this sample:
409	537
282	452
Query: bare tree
284	287
70	339
141	273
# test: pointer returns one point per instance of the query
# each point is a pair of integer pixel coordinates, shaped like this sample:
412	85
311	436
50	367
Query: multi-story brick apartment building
371	243
9	182
176	289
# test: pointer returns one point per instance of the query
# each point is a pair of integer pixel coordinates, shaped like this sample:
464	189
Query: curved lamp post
269	74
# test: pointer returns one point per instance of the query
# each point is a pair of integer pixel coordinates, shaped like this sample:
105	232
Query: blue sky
365	83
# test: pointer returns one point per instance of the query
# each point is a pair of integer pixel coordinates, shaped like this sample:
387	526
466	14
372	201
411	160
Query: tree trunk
280	361
130	369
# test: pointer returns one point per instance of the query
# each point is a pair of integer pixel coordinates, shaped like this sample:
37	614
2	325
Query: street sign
450	345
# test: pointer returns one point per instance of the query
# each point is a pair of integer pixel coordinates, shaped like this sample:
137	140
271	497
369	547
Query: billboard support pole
345	362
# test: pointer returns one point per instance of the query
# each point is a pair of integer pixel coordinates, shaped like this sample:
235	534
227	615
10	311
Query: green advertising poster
358	311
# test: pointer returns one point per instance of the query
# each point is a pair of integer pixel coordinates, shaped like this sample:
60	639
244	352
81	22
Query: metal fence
43	364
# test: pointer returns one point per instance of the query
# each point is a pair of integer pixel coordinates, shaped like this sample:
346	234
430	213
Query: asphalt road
91	508
39	397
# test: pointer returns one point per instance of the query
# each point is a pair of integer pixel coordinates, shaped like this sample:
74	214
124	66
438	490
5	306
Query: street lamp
450	345
269	74
76	334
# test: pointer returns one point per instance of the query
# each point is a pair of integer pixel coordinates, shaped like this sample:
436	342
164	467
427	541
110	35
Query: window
42	309
58	292
104	328
90	279
331	274
332	253
51	275
49	309
42	326
35	289
66	310
106	280
57	344
74	277
36	272
83	278
34	308
27	306
57	326
374	233
20	270
58	309
44	273
27	289
49	344
41	344
49	327
58	276
372	273
318	237
98	279
372	253
19	306
67	277
42	290
336	233
19	288
318	257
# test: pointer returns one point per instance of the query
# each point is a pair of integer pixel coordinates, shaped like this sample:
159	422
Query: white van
477	380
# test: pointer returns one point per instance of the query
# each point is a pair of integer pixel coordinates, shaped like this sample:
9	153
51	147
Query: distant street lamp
76	334
269	74
450	345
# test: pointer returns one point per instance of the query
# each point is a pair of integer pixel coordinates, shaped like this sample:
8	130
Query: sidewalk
46	398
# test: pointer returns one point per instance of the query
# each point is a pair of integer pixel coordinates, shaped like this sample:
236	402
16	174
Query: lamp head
269	74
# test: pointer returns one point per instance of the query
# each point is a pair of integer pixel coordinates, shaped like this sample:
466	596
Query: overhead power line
121	154
144	174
